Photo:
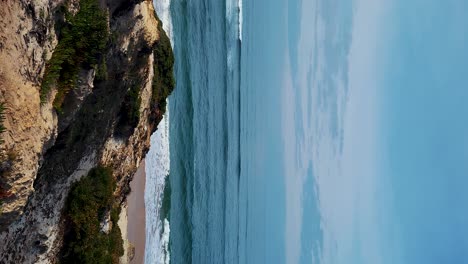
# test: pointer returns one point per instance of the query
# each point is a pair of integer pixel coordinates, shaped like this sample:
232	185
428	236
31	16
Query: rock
28	124
106	224
75	98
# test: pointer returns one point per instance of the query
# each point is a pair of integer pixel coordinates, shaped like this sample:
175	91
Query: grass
87	204
82	41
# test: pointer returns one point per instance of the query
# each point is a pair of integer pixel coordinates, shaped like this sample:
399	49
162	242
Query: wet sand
136	215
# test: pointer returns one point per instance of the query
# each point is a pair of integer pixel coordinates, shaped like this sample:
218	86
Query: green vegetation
87	204
82	41
163	81
133	113
101	70
162	85
130	111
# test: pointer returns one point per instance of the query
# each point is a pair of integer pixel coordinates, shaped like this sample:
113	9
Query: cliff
84	85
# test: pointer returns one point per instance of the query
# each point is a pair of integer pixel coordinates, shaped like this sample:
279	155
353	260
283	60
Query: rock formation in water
83	84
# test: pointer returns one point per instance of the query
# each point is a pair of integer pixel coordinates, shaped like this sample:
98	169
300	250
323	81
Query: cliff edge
83	84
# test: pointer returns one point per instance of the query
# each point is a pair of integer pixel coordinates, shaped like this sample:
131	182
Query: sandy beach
132	220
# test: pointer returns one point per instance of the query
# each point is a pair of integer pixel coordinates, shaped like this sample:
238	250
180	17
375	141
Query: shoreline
132	220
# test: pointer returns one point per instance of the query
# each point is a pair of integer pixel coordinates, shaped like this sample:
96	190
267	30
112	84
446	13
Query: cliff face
26	42
105	118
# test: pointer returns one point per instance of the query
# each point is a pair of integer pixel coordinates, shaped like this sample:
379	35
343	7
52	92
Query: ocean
312	131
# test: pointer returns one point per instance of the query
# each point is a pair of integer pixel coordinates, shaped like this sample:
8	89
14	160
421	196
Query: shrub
131	107
101	71
163	80
129	112
87	204
82	41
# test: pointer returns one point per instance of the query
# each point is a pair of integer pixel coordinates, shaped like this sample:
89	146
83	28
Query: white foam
234	11
157	169
163	11
239	4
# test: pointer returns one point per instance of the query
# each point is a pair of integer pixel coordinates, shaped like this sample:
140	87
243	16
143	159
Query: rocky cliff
83	83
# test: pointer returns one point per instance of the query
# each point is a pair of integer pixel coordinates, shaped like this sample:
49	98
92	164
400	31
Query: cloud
347	177
292	181
296	135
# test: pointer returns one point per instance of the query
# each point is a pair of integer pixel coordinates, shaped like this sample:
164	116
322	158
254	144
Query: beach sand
136	215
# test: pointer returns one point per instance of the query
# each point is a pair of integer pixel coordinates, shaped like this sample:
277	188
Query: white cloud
347	181
297	144
293	181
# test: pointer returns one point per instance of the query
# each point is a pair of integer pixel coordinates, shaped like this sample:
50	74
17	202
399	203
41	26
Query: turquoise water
204	134
324	131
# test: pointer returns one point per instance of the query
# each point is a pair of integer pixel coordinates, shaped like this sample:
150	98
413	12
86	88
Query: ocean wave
234	16
157	169
233	37
239	6
163	9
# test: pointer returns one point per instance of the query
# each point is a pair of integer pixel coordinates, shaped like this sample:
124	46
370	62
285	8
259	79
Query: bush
82	41
130	112
163	81
87	204
101	71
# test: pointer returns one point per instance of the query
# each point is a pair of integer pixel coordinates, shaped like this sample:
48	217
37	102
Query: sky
374	129
329	113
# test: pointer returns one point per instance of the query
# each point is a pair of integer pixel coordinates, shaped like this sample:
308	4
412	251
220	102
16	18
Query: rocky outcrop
26	41
51	151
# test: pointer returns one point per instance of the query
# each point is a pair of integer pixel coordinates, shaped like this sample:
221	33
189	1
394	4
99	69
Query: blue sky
374	112
426	129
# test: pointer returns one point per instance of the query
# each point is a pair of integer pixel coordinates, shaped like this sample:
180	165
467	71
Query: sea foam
157	169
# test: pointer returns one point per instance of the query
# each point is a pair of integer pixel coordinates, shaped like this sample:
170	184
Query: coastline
132	220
